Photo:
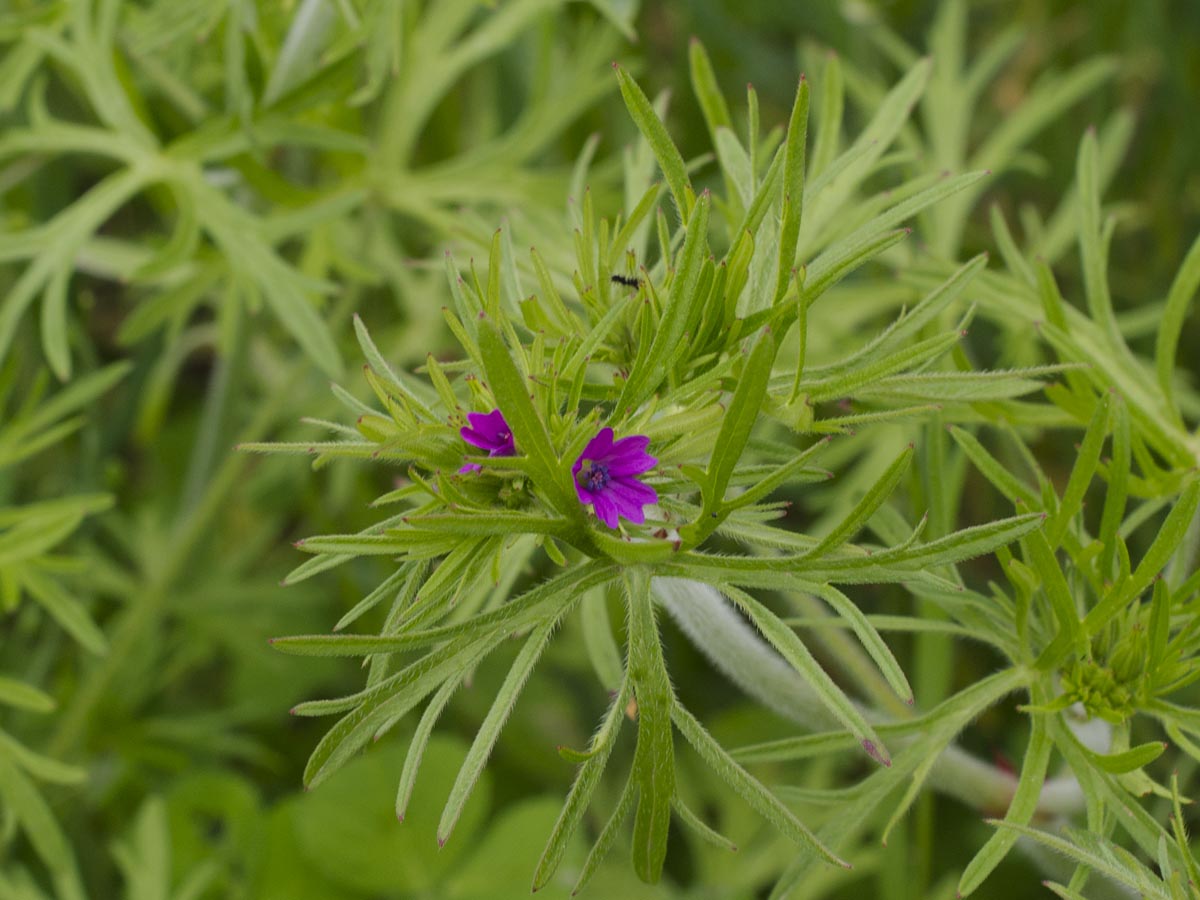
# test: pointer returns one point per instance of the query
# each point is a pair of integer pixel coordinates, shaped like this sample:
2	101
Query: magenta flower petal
604	477
487	431
624	466
635	444
633	493
605	509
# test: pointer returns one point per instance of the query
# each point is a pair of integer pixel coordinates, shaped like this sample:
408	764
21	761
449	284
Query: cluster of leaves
687	352
33	568
209	190
205	190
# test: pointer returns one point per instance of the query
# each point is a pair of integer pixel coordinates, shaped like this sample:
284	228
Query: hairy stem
737	651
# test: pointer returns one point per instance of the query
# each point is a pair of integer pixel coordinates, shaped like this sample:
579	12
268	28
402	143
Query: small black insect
627	281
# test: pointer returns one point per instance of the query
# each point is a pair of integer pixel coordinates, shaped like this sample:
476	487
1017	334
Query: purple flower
604	477
487	431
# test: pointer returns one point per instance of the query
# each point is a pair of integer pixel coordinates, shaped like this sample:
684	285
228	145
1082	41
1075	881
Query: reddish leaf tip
874	753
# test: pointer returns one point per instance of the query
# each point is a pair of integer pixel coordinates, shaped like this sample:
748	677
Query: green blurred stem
733	646
215	402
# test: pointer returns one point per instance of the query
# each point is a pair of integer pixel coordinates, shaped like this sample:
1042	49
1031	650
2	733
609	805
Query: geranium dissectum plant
702	367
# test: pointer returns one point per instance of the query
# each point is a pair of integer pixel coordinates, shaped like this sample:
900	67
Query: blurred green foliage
194	198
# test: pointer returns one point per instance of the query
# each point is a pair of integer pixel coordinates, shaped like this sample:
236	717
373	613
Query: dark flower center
595	476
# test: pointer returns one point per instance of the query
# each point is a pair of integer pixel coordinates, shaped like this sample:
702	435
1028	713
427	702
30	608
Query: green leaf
1118	480
286	291
1179	300
1129	760
956	387
860	158
380	367
405	689
1094	256
298	58
701	828
832	269
500	863
487	522
853	380
743	412
71	615
41	767
1160	623
704	84
58	243
792	187
650	368
874	498
493	723
870	638
896	564
144	856
625	237
20	695
792	649
1081	474
598	638
1152	563
909	326
1054	584
31	811
511	390
851	247
735	165
1097	853
829	122
654	760
1020	811
608	835
748	787
1012	256
419	744
1041	107
582	789
669	159
762	488
1003	480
